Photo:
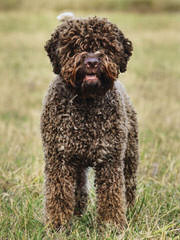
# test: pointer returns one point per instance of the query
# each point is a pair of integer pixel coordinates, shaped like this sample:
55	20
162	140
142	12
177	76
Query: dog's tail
65	16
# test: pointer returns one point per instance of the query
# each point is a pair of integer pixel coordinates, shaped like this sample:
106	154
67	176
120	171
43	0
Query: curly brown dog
88	121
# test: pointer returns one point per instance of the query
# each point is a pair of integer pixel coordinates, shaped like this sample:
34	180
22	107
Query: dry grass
98	5
153	83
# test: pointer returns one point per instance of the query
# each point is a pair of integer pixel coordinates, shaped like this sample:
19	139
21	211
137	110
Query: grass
152	82
100	5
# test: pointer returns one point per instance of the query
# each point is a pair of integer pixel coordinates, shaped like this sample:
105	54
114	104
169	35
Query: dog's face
89	54
91	73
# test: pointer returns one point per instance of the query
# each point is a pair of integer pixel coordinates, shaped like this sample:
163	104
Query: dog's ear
127	52
51	47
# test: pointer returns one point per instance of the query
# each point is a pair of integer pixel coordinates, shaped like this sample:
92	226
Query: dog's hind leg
81	194
131	160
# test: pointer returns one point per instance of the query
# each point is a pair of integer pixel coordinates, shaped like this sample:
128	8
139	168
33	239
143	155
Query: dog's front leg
60	182
111	201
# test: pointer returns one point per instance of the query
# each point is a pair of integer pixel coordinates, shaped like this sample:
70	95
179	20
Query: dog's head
89	54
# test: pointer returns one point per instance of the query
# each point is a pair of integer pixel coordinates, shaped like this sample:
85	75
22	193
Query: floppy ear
51	48
127	52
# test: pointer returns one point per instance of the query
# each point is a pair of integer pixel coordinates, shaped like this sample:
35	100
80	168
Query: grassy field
153	83
100	5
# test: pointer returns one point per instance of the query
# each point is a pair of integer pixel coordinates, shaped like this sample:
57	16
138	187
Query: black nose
91	62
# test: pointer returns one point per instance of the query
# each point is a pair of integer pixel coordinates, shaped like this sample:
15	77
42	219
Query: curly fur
84	130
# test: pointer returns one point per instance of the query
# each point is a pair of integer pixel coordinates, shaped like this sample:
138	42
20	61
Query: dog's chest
89	130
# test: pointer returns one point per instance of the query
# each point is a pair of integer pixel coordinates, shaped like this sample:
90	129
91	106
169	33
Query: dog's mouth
91	85
91	79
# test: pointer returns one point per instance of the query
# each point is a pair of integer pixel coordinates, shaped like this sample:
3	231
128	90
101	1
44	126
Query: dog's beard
93	84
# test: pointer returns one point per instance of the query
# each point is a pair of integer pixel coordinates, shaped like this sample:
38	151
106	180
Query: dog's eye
99	54
71	54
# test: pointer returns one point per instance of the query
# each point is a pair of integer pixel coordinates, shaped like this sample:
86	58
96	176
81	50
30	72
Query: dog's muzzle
92	74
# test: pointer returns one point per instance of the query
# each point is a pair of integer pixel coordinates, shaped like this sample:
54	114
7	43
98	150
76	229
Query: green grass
152	82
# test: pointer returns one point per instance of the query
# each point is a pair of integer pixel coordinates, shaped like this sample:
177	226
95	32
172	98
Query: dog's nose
91	62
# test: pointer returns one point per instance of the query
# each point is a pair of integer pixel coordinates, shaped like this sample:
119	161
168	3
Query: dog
88	121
